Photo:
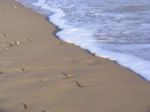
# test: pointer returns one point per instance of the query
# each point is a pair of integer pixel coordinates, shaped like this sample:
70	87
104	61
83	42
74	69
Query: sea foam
120	35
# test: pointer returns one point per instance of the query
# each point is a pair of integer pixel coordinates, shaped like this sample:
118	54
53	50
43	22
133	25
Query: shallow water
116	29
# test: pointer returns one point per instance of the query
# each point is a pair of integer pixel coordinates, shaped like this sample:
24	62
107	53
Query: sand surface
39	73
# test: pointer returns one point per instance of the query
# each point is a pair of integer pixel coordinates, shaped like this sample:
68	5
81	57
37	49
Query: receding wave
119	31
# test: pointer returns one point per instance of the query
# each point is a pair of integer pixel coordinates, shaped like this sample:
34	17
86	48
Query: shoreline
40	73
57	30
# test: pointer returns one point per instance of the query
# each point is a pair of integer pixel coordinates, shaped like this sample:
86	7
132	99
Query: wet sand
40	73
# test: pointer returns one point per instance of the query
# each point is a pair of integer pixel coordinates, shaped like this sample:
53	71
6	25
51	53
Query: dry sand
39	73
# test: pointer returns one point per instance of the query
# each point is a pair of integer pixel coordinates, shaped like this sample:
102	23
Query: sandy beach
40	73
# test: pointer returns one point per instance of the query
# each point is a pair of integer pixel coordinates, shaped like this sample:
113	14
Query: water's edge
57	29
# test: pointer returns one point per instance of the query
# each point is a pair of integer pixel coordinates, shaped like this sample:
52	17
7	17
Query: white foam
83	37
136	64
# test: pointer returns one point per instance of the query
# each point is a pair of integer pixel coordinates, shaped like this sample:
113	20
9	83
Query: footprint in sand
1	72
5	35
12	44
26	107
9	44
67	76
23	69
79	84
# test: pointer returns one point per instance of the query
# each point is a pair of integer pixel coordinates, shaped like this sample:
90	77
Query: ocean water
114	29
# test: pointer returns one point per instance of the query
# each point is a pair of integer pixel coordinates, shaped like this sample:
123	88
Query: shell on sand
67	76
17	42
